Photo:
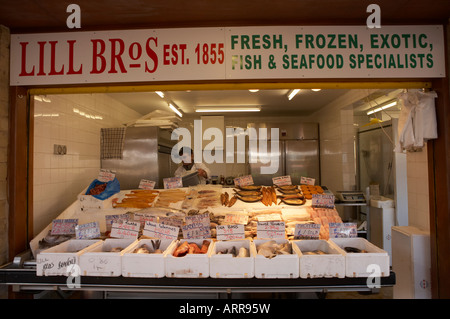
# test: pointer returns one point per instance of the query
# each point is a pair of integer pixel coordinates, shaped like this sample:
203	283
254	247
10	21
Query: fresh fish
144	249
271	249
243	252
156	243
161	212
116	249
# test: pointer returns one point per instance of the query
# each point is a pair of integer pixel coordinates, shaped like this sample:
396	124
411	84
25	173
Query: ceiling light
254	90
230	109
175	110
161	94
382	108
316	90
293	93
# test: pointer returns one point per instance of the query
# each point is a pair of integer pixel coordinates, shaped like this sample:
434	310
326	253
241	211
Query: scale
350	197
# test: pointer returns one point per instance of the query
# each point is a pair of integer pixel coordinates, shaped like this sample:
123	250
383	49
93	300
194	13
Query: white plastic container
145	265
280	266
374	262
190	265
381	202
58	260
332	264
227	266
101	261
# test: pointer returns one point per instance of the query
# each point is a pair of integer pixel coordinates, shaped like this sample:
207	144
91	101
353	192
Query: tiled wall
74	121
418	196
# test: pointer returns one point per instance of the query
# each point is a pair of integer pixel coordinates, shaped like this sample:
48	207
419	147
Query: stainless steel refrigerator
146	155
297	153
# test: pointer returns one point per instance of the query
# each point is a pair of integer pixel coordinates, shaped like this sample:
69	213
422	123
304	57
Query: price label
323	200
142	218
343	230
307	181
307	231
196	231
243	180
271	229
126	229
110	219
230	232
236	218
269	217
158	230
106	175
198	219
282	180
173	182
64	226
88	231
177	222
146	184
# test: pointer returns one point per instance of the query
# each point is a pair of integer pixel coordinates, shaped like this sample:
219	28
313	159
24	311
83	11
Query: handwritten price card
307	231
307	181
172	182
323	201
271	230
88	231
142	218
343	230
243	180
236	218
158	230
282	180
146	184
106	175
127	229
171	221
197	226
110	219
64	226
230	232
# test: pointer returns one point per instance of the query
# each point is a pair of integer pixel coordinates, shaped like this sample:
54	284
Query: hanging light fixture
293	93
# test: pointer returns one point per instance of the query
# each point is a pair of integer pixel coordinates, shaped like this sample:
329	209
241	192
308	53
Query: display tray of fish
289	191
271	249
233	251
293	201
145	249
186	248
287	187
354	250
247	193
250	187
314	252
250	199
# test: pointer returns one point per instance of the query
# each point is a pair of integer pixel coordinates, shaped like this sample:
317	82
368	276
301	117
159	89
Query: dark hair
185	150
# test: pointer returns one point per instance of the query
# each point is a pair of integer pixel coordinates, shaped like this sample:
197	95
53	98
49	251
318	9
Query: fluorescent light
254	90
382	108
316	90
161	94
293	93
242	109
175	110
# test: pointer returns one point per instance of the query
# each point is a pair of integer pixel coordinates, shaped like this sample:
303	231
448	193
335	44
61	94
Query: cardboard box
280	266
373	263
61	259
99	260
227	266
145	265
190	265
332	264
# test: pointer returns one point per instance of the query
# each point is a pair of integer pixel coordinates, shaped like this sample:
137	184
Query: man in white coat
189	166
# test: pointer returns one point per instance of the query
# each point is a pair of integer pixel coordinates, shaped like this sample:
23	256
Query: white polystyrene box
317	266
190	265
381	202
145	265
227	266
101	261
58	260
280	266
373	263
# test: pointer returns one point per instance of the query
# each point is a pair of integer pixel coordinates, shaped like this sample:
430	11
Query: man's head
187	156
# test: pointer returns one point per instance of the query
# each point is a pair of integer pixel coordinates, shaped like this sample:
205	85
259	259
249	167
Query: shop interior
357	130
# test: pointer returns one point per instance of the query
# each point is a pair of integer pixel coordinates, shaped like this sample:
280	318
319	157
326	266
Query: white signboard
228	53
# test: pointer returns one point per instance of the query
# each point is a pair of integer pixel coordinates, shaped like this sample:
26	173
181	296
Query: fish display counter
199	239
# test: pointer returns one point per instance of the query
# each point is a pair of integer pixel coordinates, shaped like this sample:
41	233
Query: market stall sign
243	180
106	175
236	218
230	232
172	182
88	231
227	53
197	227
271	229
343	230
307	231
64	226
323	200
126	229
307	181
146	184
282	180
162	231
110	219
